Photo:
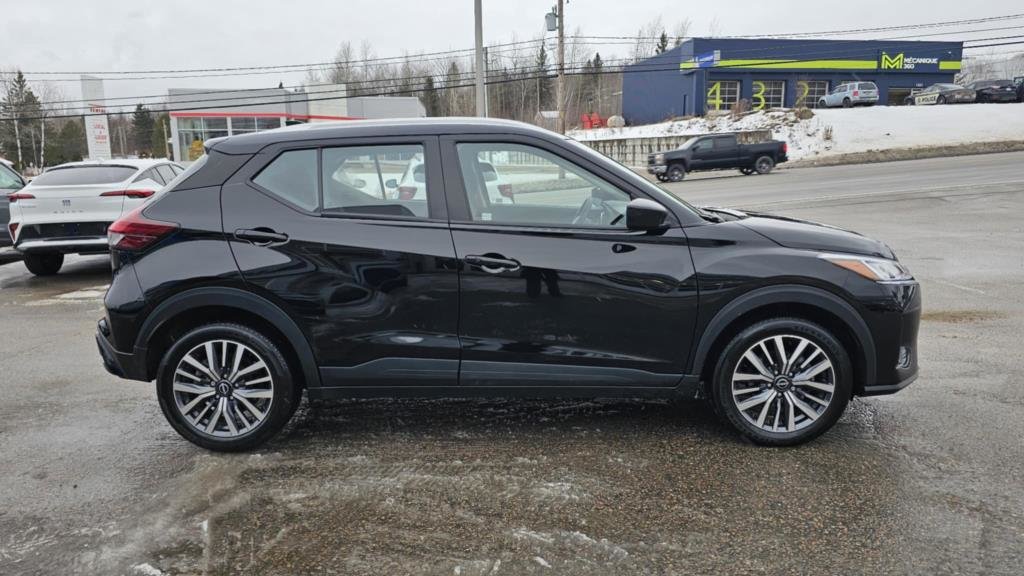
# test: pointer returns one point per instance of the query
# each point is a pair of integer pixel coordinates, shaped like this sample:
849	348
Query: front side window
375	180
517	184
292	177
704	144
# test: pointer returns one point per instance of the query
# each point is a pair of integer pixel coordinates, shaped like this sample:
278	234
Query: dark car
10	182
941	94
994	90
716	152
261	272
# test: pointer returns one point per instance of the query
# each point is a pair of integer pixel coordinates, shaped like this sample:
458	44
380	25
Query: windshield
947	86
72	175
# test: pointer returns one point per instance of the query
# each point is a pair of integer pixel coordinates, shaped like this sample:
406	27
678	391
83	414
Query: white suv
66	209
851	94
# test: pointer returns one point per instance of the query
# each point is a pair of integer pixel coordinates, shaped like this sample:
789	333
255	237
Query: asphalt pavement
928	481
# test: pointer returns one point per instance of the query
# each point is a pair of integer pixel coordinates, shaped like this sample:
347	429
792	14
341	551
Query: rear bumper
130	365
96	245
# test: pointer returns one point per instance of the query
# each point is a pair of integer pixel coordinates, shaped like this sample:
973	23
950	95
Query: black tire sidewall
286	394
46	264
676	173
721	385
757	165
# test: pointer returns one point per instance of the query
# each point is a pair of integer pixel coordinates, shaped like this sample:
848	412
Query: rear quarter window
292	176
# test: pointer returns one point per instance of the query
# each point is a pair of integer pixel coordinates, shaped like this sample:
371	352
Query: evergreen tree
662	43
142	131
68	144
451	90
543	82
20	106
430	98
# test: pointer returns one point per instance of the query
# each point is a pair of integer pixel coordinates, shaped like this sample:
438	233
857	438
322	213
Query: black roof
254	142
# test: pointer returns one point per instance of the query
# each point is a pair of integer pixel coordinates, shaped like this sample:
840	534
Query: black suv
290	260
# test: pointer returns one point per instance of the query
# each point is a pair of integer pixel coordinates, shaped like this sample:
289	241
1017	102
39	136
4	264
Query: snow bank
844	131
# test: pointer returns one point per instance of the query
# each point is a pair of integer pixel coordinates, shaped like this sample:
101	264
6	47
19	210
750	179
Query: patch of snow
844	131
147	570
541	561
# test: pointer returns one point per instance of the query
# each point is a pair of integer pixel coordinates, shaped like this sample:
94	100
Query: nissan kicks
263	271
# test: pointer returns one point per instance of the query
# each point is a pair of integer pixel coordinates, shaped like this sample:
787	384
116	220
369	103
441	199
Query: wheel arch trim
239	300
787	294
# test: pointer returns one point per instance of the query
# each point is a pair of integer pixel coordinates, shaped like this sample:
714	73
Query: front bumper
130	365
894	319
657	168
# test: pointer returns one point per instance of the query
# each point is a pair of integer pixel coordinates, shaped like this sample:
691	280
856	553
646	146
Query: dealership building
708	74
198	115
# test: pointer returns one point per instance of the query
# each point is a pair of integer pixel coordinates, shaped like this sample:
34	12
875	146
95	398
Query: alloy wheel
223	388
783	383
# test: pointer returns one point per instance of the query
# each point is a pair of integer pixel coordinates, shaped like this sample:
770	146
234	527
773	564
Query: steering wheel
585	215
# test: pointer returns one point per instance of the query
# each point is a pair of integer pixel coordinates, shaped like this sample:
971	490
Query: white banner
97	131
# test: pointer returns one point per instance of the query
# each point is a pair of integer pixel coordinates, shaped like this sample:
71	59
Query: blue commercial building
703	74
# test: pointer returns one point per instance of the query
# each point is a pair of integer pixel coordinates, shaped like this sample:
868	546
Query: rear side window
166	172
84	175
150	174
376	180
292	177
723	142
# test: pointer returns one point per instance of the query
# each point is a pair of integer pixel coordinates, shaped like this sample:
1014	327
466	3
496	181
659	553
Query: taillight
13	228
12	198
785	148
134	231
856	92
406	192
130	193
505	190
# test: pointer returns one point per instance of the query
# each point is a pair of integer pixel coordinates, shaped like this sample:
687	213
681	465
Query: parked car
10	182
850	94
237	289
716	152
410	185
941	94
994	90
67	208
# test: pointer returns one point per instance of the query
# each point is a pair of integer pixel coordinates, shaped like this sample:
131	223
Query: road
927	481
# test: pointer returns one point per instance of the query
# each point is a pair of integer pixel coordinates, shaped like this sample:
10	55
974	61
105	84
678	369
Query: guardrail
634	151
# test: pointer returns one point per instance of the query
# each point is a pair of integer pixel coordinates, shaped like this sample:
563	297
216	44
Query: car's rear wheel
226	387
847	103
44	264
764	165
941	100
782	381
676	173
822	103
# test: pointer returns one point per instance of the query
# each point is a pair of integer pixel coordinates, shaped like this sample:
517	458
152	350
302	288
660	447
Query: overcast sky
135	35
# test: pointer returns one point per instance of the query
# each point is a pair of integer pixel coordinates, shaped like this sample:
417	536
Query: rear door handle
261	236
493	264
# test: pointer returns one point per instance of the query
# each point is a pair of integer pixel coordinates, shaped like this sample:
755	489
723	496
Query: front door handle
492	263
261	236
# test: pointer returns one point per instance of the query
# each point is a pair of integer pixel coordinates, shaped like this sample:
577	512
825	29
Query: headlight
876	269
659	158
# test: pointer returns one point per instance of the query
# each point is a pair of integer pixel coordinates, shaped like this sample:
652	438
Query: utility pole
560	91
167	140
481	97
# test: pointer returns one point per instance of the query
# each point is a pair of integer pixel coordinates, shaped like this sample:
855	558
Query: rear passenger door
370	278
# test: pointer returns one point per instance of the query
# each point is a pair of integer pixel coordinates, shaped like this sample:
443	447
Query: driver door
554	290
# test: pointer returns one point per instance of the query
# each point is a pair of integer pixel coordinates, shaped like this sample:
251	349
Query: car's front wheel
676	173
45	264
226	387
782	381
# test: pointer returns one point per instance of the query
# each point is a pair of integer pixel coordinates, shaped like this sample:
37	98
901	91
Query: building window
768	94
268	123
243	125
723	94
809	92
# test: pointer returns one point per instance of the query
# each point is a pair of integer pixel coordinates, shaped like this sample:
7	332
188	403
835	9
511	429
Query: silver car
851	94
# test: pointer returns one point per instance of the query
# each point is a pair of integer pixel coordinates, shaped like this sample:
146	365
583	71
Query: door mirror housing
646	215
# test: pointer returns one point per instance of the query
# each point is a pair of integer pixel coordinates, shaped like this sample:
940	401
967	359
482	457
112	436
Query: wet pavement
93	481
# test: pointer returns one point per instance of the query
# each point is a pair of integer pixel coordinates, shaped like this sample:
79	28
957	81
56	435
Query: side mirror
646	215
392	183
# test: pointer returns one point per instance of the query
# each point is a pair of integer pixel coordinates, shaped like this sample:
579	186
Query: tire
822	103
242	428
662	178
764	165
747	171
847	103
676	173
941	100
45	264
738	385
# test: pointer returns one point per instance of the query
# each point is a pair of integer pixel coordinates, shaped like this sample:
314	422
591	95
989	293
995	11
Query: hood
805	235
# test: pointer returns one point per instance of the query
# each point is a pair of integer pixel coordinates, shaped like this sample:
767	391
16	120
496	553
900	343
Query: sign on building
97	131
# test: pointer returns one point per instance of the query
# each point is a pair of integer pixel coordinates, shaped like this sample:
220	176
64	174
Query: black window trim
457	196
430	146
